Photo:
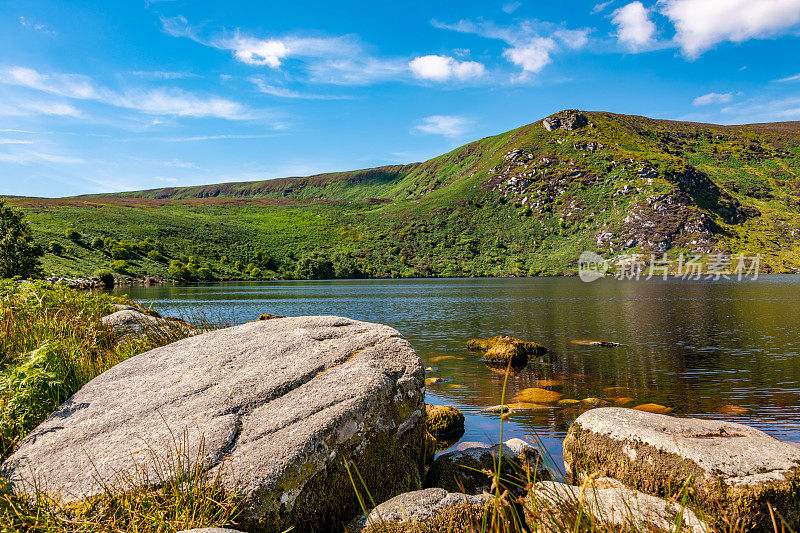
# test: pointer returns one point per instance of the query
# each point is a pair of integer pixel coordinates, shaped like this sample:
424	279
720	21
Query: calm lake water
696	347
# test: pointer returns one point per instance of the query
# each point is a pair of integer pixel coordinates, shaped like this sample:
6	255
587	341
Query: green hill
525	202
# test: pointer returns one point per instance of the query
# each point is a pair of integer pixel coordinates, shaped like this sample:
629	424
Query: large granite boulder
733	470
464	469
425	510
552	506
129	323
279	406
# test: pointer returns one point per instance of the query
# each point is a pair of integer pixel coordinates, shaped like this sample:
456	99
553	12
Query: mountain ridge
523	202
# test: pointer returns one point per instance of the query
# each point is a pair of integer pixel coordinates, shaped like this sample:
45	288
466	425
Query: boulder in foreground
423	510
628	510
734	470
465	469
280	405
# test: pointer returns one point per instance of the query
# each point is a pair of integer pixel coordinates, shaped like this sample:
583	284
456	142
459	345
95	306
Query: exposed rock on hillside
280	405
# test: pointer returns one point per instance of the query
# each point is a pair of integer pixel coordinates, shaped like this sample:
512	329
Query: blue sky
110	96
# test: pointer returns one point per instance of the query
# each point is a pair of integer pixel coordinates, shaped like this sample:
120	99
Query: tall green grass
52	342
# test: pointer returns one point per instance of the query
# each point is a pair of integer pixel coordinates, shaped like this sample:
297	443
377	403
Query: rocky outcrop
431	509
618	506
567	120
466	469
278	405
731	469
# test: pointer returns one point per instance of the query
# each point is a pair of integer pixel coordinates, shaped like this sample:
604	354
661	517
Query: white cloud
15	141
701	24
256	51
444	68
532	56
635	30
449	126
511	7
165	180
713	98
160	101
532	42
787	79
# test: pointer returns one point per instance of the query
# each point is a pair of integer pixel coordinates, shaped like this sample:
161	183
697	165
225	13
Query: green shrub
19	253
55	247
69	250
120	265
255	273
105	276
314	266
238	266
98	243
205	274
155	255
184	258
73	235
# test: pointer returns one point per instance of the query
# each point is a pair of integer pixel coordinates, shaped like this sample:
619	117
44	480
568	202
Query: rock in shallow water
283	401
734	470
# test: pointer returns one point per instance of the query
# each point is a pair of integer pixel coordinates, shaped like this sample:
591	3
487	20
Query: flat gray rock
462	469
279	405
420	505
732	466
618	506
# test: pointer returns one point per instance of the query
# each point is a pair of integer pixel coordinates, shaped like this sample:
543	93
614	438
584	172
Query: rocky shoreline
290	411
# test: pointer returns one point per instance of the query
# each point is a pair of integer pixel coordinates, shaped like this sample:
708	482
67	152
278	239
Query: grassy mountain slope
525	202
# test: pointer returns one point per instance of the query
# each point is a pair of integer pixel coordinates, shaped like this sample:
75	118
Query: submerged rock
444	421
428	510
278	406
521	347
537	395
733	470
467	468
615	506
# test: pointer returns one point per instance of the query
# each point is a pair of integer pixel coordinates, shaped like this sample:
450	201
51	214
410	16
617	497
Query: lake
724	349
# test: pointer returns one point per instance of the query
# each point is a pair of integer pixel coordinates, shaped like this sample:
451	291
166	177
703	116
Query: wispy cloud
35	26
163	74
159	101
511	7
14	141
27	157
449	126
788	79
713	98
283	92
25	108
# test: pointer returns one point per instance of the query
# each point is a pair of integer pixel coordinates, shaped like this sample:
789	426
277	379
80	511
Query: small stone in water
433	381
568	401
733	409
623	400
537	395
653	408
